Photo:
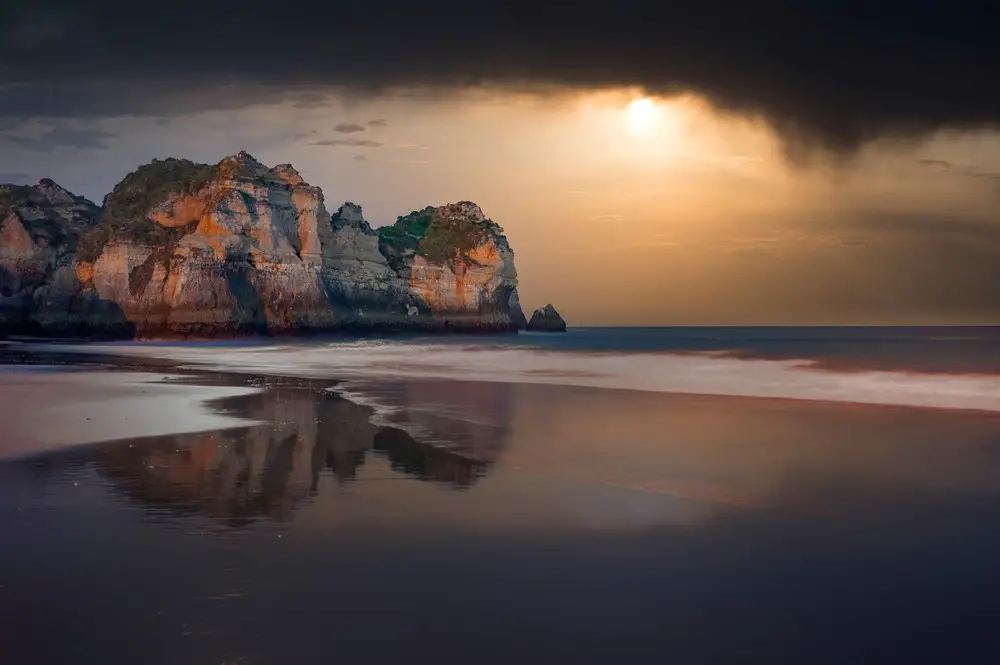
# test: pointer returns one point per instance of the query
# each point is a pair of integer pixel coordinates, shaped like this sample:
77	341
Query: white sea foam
658	372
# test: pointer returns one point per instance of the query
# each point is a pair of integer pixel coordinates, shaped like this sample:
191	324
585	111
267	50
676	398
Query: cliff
186	249
40	230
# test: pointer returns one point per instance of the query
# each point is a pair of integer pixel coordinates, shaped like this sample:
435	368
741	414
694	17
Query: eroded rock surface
186	249
40	291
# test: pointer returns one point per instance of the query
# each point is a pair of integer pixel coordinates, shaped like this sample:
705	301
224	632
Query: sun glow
642	114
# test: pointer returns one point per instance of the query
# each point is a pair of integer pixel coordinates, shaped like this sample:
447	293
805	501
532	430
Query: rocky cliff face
457	263
40	229
180	248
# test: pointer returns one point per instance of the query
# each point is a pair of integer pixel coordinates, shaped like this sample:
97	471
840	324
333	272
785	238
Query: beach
45	407
291	515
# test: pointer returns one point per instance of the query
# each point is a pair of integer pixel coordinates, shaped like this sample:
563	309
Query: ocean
693	495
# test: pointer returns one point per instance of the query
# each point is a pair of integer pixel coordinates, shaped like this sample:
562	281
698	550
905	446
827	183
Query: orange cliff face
458	263
185	249
85	272
181	211
456	287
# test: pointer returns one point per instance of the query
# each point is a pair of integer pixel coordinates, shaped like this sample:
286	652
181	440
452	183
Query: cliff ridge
179	248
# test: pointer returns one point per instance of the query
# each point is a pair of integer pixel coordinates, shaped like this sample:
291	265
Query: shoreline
75	393
783	381
449	431
83	392
51	406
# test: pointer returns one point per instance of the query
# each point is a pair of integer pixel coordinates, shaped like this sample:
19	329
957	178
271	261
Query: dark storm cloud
61	136
348	128
357	143
31	25
92	98
829	73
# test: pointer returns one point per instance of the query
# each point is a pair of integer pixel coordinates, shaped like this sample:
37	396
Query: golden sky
656	212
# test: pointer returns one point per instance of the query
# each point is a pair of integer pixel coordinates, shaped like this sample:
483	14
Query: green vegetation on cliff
450	239
404	237
125	213
438	239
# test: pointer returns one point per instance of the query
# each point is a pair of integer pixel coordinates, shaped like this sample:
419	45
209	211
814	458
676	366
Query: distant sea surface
690	495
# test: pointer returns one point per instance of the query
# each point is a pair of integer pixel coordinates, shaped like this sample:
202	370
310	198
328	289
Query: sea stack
546	319
181	249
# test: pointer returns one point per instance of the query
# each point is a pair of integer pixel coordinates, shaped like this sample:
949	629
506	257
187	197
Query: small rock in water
547	319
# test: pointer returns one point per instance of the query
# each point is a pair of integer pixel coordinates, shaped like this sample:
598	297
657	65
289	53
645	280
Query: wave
702	374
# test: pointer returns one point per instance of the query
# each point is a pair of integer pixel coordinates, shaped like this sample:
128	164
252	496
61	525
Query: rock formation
40	228
547	319
186	249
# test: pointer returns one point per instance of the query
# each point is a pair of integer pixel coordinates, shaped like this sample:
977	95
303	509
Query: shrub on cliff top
450	239
403	237
439	240
125	213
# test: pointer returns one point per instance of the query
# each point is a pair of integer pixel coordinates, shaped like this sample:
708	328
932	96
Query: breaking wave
669	372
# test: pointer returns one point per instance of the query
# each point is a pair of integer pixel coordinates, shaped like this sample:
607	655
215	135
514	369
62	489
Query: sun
642	115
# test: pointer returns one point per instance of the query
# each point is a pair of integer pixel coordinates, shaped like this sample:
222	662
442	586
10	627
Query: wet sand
50	406
545	524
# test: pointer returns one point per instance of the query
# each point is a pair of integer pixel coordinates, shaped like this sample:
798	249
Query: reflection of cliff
472	417
241	474
427	462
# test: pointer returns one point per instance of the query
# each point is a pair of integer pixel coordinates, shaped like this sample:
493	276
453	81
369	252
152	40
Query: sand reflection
241	474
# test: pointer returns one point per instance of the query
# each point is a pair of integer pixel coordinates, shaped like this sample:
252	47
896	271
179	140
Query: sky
785	163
